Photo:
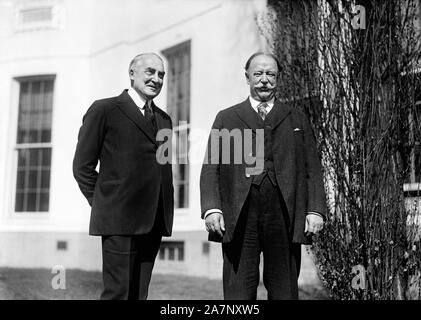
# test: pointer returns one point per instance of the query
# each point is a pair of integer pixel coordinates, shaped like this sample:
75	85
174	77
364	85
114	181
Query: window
178	107
205	248
171	250
414	176
33	15
43	15
33	145
412	186
62	245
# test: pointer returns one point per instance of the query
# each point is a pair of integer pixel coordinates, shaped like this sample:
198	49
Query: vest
268	169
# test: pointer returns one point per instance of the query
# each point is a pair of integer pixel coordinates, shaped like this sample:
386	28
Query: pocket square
297	129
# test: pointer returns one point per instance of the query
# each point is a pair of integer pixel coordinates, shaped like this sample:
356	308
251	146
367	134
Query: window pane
31	204
184	185
45	179
33	180
46	157
20	180
161	253
47	113
181	253
181	195
171	253
35	110
44	201
182	141
33	157
19	202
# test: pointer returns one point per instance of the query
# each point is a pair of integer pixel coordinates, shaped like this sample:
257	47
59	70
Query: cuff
210	211
317	214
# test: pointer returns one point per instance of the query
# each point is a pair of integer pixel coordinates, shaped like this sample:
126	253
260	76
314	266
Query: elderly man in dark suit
273	210
132	193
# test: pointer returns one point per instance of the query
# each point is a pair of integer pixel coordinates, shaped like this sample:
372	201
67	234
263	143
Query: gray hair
140	56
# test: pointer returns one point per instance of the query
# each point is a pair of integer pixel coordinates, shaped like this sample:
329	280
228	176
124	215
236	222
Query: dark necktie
149	116
261	108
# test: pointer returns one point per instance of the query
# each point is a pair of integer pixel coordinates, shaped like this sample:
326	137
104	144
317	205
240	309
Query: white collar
254	104
137	99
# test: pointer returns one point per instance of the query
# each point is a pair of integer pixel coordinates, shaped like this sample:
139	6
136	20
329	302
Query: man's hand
215	223
314	224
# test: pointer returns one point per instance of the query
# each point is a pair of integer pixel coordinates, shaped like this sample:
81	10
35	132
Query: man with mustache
274	210
132	193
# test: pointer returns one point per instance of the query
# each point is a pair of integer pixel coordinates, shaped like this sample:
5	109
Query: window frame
22	146
180	124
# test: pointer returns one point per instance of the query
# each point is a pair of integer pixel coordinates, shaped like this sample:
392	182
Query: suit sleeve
88	150
209	176
315	186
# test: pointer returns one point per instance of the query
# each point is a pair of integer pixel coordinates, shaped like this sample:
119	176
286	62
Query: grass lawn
35	284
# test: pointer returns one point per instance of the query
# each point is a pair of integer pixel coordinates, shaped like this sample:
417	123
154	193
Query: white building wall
89	53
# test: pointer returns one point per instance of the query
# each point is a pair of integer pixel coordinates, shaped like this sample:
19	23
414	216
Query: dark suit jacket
296	162
124	194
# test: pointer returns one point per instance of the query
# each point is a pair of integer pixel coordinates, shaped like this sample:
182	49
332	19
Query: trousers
127	263
262	228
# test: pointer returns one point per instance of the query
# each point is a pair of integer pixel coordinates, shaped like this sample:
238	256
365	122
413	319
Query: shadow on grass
36	284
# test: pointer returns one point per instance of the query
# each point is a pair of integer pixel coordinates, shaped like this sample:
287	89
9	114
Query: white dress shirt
254	104
138	100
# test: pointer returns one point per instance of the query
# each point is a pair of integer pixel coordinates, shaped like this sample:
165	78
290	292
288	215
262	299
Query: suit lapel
130	109
161	122
280	112
247	115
